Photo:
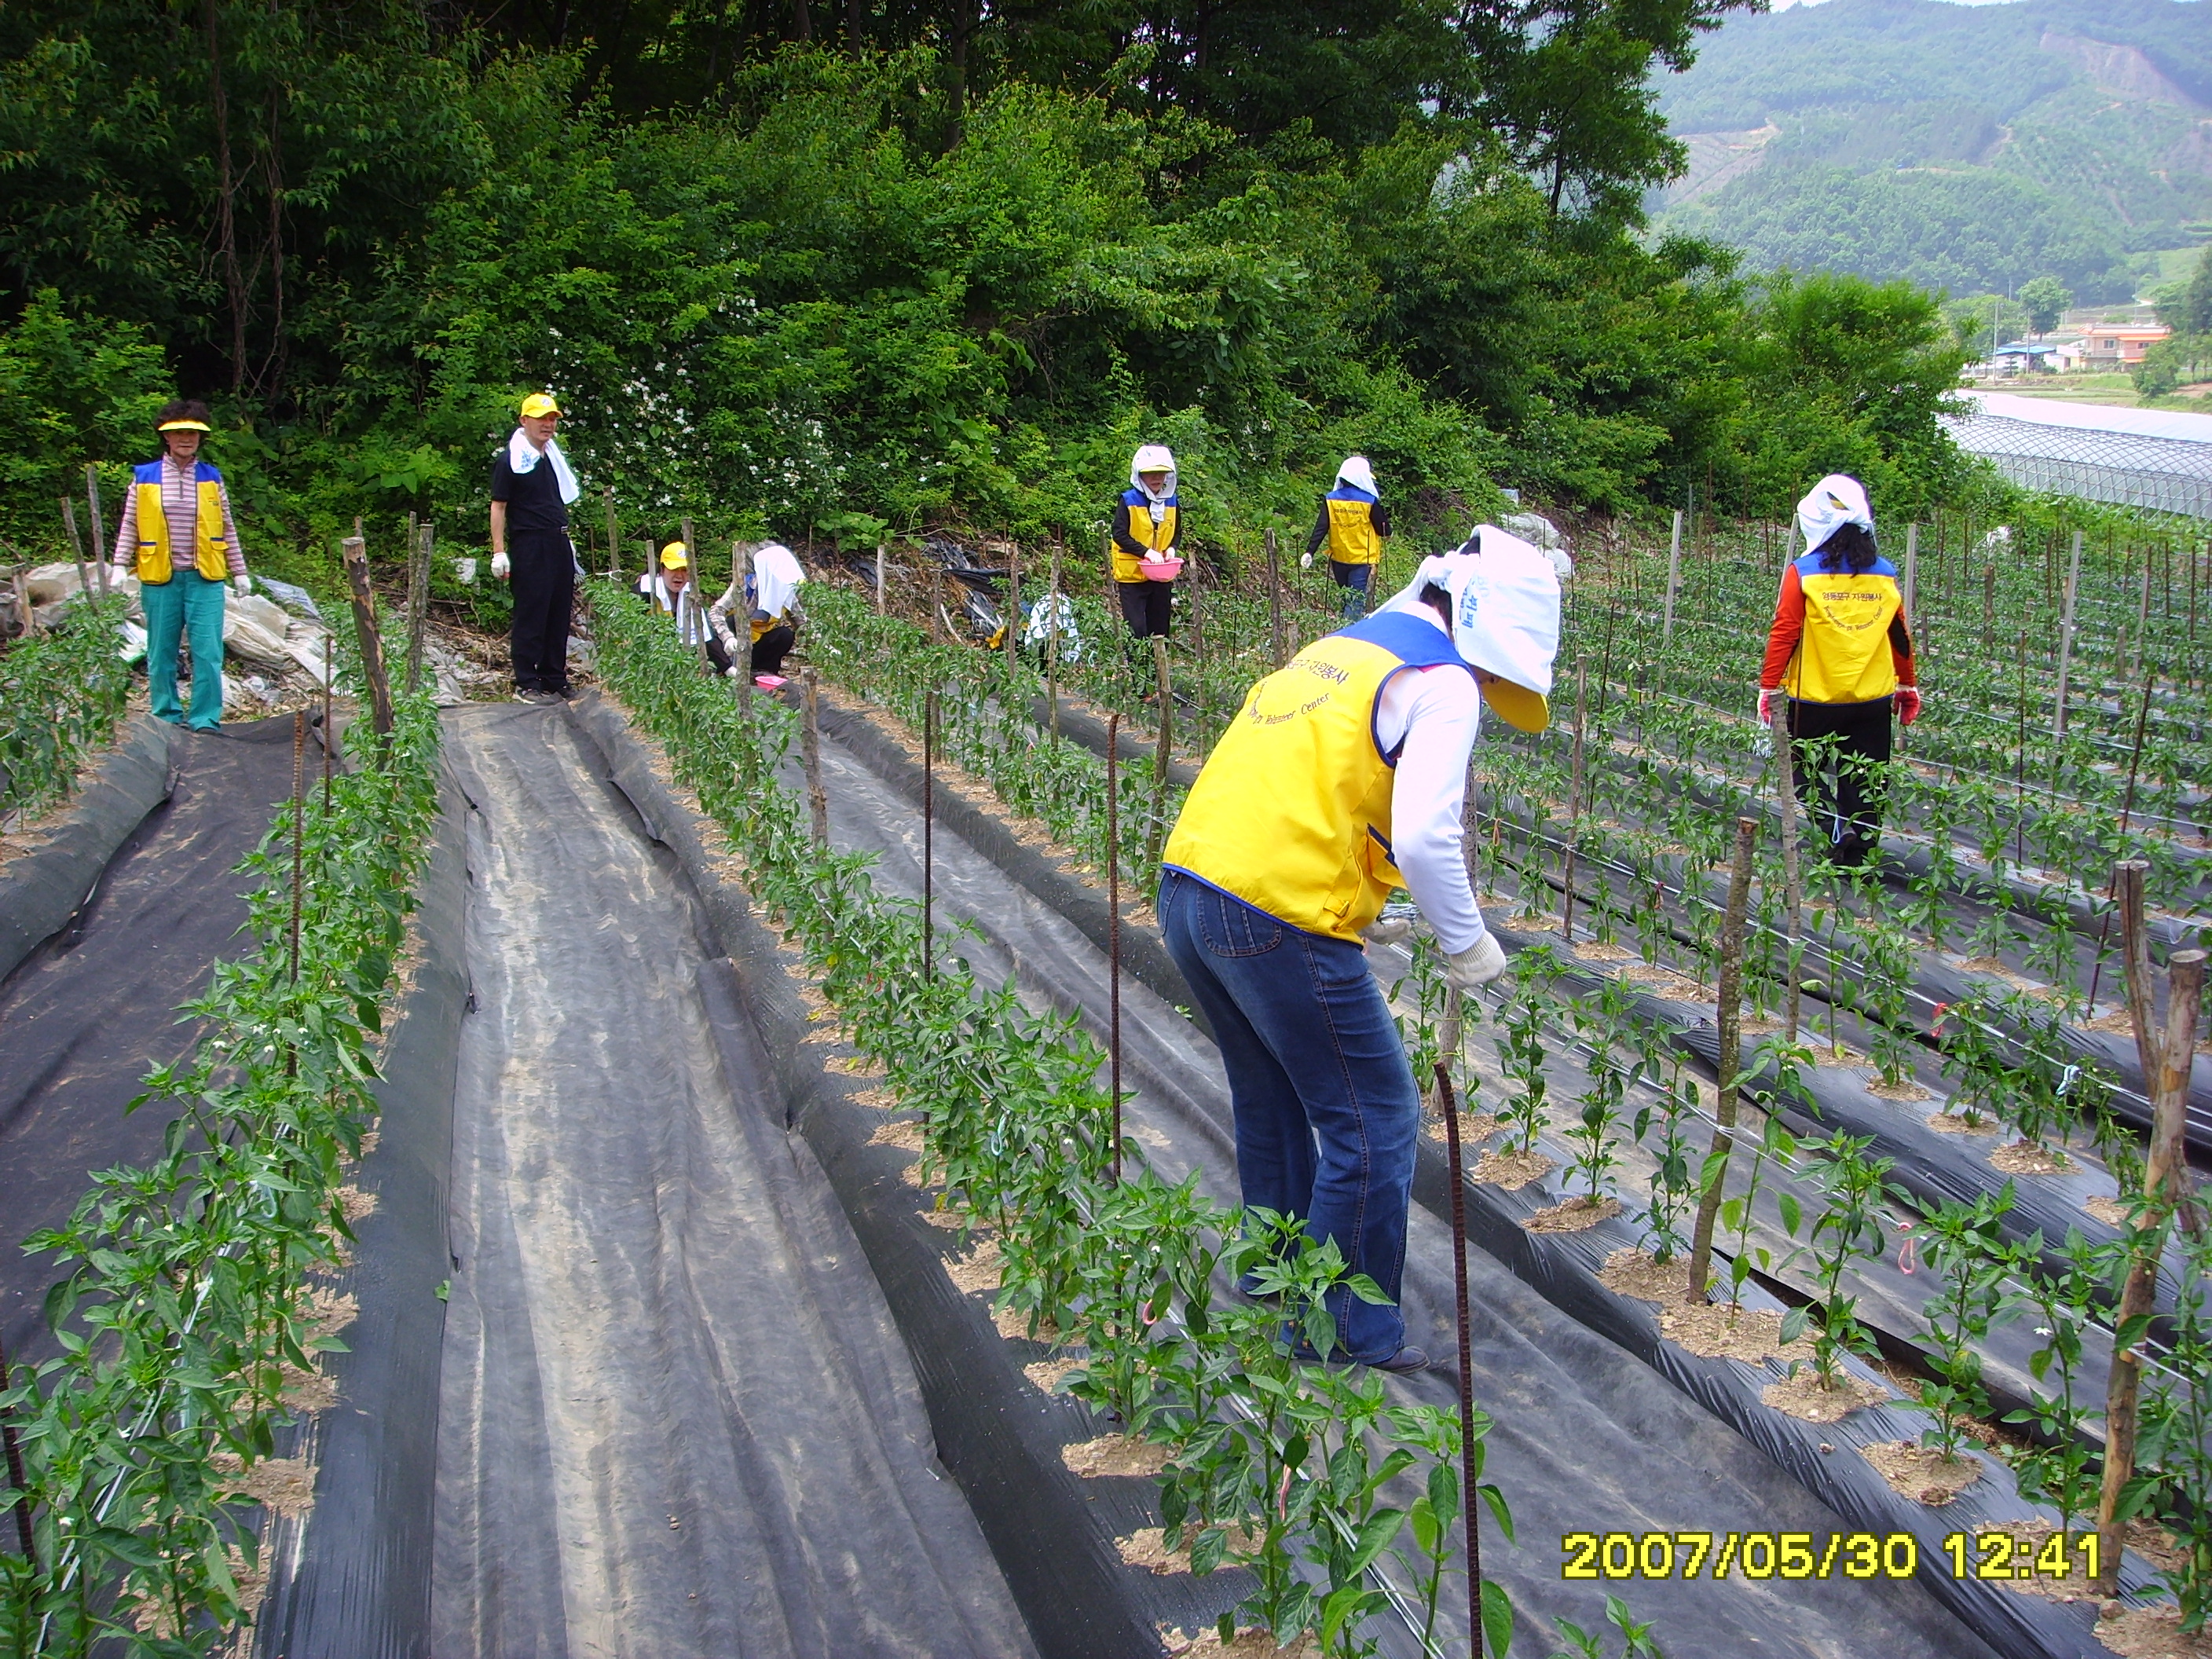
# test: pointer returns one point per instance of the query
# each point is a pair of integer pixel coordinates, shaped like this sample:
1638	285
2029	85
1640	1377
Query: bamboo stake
1912	573
1467	1468
614	533
418	600
879	579
1013	623
928	835
809	750
2065	649
1114	929
371	642
2166	1055
99	529
1163	753
1731	1011
1052	646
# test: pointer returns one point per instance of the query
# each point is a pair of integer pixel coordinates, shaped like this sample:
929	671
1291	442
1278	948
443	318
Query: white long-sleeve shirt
1437	713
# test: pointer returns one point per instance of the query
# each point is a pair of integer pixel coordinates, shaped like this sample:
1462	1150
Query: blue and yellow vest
211	546
1291	813
1157	536
1352	538
1844	656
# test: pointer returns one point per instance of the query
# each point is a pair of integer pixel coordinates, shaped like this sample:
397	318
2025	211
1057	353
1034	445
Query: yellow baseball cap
183	426
676	556
539	404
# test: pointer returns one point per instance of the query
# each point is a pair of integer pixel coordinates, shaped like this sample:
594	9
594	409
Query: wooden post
879	579
2142	615
614	534
77	546
1731	1057
371	642
13	1469
1163	753
1274	601
2166	1053
1574	815
809	750
99	529
1912	574
2066	642
23	604
1013	623
418	600
1674	577
1793	893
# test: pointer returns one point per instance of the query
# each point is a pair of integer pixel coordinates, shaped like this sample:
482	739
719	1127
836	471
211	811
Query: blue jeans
189	606
1354	578
1327	1110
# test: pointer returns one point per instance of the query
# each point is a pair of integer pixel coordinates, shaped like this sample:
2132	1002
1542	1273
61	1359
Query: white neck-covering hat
1505	618
1837	500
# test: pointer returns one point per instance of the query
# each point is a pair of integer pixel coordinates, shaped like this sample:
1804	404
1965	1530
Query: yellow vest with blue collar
1156	537
1352	538
1291	813
211	547
1843	654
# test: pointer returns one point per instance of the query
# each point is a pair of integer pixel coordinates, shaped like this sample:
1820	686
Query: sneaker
1407	1360
563	693
532	694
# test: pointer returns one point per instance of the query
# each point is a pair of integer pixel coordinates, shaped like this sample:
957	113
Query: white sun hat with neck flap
1505	618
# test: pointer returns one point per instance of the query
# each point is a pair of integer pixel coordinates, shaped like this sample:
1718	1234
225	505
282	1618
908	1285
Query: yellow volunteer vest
1157	536
1844	656
1291	813
211	548
1352	538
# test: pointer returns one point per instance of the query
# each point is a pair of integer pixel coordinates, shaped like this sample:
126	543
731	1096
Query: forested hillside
821	266
1969	147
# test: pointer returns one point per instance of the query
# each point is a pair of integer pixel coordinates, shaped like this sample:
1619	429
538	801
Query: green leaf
1497	1617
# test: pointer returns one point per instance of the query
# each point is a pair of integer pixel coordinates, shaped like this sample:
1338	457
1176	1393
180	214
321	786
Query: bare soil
1049	1374
881	1100
1013	1324
1473	1128
2110	1211
856	1066
1578	1214
950	1220
1905	1091
354	1204
905	1135
1922	1473
1713	1330
1633	1273
979	1270
2152	1633
1147	1547
1956	1123
286	1484
1592	950
328	1313
1803	1396
1247	1644
1511	1170
827	1034
2026	1158
1838	1053
1114	1454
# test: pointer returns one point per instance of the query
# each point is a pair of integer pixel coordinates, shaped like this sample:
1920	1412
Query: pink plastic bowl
1160	570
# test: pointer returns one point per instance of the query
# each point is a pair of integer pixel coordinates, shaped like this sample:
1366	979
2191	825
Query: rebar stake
299	824
14	1465
817	802
1450	1103
1114	929
929	834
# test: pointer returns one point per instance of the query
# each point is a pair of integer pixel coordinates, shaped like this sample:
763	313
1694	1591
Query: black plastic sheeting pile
1589	1437
105	927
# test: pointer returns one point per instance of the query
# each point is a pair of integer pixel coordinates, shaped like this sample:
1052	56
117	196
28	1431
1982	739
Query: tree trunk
226	199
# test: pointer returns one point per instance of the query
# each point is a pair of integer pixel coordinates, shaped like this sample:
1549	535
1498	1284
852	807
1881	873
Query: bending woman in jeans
1345	768
1841	651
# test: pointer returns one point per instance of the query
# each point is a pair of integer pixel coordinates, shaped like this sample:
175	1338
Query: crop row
190	1319
62	694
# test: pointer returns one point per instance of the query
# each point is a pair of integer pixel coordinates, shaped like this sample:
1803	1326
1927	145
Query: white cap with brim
1505	618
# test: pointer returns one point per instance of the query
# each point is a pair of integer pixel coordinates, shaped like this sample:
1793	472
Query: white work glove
1305	561
1766	705
1386	930
500	566
731	672
1476	966
244	585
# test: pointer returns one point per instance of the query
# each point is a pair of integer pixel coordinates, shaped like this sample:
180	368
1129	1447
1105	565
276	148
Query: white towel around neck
523	457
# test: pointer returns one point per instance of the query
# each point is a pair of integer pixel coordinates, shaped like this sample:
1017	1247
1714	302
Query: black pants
718	654
771	647
1843	781
1147	607
542	574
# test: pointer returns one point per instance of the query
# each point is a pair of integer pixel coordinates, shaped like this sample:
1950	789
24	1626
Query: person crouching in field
1354	524
767	595
671	592
1840	650
178	539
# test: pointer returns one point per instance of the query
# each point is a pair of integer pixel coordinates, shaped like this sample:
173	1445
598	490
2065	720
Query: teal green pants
187	606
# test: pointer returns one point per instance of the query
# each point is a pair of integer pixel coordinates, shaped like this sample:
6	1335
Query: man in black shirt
531	486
